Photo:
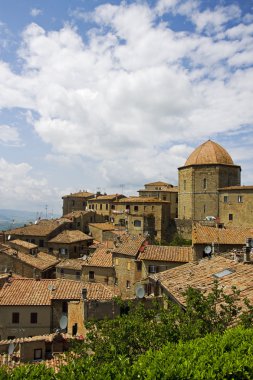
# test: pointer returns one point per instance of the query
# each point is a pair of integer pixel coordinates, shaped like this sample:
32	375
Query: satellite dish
9	237
208	249
140	291
11	348
36	222
63	322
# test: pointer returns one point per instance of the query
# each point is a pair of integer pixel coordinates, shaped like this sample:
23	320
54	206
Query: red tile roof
41	260
200	275
42	228
166	253
80	194
102	257
27	292
130	246
109	197
232	235
70	236
71	264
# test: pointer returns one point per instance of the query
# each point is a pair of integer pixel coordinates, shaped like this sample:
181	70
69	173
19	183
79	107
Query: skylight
223	273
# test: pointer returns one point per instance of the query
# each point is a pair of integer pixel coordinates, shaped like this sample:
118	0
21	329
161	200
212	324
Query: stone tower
207	169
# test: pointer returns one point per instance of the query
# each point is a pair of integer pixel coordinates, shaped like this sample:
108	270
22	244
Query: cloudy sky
107	96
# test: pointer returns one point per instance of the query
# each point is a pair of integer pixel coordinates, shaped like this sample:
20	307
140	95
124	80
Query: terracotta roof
163	189
231	235
41	260
36	338
42	228
131	246
103	226
71	264
141	200
166	253
23	244
77	214
209	153
70	236
27	292
80	194
201	276
158	183
233	188
109	197
102	257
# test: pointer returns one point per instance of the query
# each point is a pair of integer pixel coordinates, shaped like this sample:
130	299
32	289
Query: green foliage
157	343
178	240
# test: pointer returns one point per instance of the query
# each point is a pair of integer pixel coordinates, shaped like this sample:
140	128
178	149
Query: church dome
209	153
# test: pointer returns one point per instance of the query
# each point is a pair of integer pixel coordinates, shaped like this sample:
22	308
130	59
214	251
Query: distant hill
16	218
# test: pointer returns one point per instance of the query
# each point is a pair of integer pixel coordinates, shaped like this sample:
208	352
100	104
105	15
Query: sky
108	95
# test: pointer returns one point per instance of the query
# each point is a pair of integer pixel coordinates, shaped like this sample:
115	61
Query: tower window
225	199
230	216
205	183
240	198
204	209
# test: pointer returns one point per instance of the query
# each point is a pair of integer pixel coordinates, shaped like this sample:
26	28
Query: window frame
34	318
15	317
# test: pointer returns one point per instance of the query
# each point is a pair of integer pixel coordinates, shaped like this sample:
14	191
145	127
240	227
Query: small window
113	207
106	206
127	207
164	197
136	208
240	199
15	317
204	183
91	275
73	203
137	223
204	208
62	272
38	353
225	199
230	216
34	318
138	265
128	284
78	275
101	206
151	269
41	243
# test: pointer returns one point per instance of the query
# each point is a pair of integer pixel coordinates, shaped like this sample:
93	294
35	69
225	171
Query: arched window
137	223
205	183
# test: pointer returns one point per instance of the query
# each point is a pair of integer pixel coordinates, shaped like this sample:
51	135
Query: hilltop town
57	274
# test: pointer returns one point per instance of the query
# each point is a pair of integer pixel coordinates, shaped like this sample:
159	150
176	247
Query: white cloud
123	97
18	186
9	135
35	12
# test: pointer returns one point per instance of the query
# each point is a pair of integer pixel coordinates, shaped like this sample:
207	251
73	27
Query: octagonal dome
209	153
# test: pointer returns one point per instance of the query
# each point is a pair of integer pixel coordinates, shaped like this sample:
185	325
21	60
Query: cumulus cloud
135	96
18	185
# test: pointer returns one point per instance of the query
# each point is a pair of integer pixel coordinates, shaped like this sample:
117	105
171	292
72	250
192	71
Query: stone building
39	233
157	258
70	244
99	267
80	219
163	191
143	215
28	262
207	169
236	206
104	204
76	201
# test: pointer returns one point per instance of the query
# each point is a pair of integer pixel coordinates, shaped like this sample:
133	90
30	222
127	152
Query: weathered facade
76	201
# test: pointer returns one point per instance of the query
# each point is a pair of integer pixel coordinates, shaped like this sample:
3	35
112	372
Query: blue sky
99	95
